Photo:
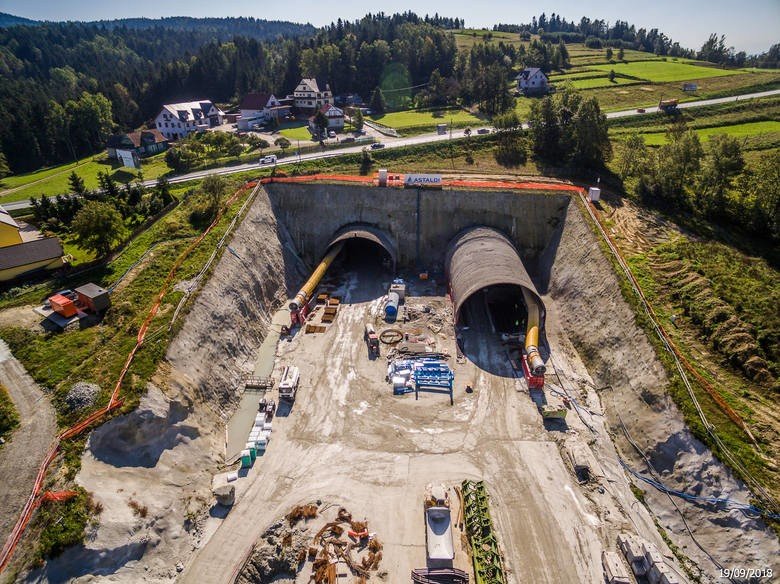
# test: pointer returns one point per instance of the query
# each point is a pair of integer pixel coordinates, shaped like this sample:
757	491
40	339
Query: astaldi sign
424	181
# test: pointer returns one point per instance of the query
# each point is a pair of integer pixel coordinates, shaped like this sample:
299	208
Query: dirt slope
602	327
240	295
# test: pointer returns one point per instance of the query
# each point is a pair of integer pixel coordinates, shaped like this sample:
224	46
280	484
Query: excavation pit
348	439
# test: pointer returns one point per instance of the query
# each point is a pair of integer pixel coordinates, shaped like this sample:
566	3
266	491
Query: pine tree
4	170
77	185
377	103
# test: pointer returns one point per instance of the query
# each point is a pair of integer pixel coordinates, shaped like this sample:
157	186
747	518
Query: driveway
22	455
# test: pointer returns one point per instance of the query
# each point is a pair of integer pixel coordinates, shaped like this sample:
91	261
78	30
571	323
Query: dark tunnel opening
361	271
498	309
363	255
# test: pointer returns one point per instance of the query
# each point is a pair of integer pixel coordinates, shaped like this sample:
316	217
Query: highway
400	142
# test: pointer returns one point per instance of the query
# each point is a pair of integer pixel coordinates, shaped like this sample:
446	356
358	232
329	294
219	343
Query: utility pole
452	158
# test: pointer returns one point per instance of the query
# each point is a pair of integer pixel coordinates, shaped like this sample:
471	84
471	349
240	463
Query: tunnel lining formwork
480	257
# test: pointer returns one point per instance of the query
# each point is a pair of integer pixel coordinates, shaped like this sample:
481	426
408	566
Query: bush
64	523
9	418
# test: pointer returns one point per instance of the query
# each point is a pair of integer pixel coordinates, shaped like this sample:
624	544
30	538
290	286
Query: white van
270	159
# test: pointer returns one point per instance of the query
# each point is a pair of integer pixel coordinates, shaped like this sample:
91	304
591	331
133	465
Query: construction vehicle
438	524
288	386
668	106
372	340
552	413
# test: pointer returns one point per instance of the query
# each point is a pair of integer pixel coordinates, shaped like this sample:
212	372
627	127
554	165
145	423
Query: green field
767	129
594	82
664	71
54	181
643	95
414	119
296	132
582	74
467	38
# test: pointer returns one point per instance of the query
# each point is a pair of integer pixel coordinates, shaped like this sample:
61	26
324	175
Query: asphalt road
399	142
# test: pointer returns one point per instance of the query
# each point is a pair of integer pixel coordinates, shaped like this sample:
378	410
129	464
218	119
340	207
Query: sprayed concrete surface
349	441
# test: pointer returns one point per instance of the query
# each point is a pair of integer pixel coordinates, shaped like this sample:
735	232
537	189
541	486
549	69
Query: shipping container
62	305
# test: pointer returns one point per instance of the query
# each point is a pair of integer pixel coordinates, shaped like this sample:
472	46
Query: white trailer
288	386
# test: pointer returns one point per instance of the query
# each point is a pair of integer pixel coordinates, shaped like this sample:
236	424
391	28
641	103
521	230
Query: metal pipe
305	293
535	361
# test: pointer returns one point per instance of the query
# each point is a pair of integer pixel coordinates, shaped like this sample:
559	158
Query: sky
749	25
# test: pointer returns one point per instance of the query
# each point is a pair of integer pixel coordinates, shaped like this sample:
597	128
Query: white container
232	476
398	381
594	194
267	426
382	177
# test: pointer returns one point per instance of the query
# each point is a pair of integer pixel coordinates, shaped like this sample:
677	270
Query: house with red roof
143	143
260	108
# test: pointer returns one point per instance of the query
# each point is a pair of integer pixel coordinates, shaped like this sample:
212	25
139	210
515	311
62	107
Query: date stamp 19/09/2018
746	573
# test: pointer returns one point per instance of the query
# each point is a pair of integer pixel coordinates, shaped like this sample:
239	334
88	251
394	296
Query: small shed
93	297
63	305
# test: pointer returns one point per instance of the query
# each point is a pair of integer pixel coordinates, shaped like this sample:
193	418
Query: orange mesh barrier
114	402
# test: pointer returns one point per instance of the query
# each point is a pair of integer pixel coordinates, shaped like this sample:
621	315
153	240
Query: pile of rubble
340	544
432	316
359	550
82	395
279	552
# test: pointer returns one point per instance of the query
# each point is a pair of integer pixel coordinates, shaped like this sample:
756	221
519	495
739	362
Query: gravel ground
23	453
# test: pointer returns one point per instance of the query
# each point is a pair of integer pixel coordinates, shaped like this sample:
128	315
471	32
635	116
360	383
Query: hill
220	28
7	20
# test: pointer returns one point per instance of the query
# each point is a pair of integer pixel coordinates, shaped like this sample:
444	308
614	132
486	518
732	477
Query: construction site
426	385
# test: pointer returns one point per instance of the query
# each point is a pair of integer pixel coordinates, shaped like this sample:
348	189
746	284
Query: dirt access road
23	454
349	441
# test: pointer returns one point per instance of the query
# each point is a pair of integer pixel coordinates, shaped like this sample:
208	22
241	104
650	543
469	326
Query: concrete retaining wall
313	213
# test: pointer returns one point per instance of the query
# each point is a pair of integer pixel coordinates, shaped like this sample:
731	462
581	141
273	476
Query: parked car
349	139
270	159
483	131
331	134
377	146
640	110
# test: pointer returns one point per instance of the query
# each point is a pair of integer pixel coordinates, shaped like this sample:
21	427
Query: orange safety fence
58	495
463	183
114	402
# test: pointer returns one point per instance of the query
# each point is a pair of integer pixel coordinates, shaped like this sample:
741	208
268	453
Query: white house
176	120
532	80
335	119
260	108
311	94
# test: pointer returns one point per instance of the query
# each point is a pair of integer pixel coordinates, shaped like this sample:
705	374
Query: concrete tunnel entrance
357	248
365	249
492	295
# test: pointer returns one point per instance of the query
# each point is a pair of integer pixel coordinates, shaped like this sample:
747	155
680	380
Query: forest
65	86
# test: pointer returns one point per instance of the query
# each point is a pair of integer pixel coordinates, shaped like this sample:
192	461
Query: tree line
711	181
57	79
98	218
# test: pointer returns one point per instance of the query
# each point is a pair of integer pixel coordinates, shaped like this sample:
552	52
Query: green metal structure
485	553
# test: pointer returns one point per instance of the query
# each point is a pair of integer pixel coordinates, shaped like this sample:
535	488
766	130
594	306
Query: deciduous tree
98	227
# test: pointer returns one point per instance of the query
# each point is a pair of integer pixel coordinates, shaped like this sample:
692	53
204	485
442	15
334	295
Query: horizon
716	16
